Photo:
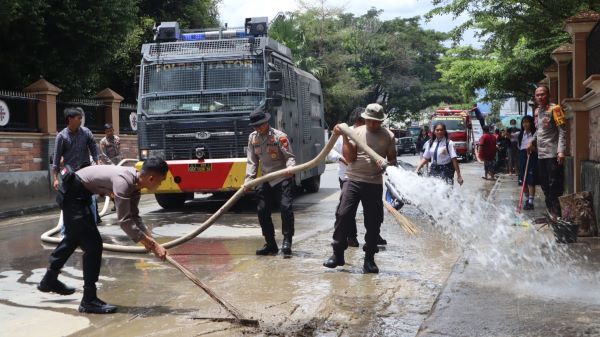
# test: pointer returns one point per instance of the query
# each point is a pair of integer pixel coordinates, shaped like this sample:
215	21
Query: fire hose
49	238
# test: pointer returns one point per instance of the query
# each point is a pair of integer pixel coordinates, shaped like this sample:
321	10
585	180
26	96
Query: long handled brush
239	317
524	184
406	224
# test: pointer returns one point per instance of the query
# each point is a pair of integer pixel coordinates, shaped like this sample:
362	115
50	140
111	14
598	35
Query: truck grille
220	137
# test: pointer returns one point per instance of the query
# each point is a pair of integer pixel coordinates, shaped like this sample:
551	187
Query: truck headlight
145	154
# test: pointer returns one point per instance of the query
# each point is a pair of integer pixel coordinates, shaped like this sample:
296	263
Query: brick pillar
112	100
562	56
46	92
579	26
552	77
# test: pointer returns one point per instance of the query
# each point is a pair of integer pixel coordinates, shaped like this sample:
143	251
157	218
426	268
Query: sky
233	12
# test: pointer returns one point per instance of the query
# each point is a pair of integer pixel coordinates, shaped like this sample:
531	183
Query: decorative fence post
113	101
46	93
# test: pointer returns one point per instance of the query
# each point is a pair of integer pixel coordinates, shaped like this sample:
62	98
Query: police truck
196	92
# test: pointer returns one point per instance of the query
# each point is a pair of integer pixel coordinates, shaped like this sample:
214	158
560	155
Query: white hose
48	236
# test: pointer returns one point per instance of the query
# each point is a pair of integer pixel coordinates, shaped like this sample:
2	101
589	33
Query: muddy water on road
296	296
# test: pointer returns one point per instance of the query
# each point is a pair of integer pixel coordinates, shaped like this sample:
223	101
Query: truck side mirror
274	81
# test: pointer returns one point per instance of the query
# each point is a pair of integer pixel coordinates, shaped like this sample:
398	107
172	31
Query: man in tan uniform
364	184
81	231
272	148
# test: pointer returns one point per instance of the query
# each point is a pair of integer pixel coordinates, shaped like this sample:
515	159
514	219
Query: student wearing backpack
440	150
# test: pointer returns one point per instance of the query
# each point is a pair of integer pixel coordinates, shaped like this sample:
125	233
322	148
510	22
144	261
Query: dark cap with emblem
258	117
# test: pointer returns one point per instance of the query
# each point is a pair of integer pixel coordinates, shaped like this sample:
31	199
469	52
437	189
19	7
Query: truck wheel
172	200
312	184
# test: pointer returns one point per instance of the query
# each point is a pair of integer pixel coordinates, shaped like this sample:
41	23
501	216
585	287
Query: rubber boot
50	283
92	304
369	266
337	259
286	247
270	247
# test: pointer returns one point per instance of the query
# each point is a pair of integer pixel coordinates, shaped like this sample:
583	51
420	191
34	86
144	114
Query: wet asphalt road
296	296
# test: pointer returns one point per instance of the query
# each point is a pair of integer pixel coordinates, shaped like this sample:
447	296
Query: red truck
460	130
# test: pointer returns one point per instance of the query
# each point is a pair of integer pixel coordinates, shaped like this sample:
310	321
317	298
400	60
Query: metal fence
22	111
95	113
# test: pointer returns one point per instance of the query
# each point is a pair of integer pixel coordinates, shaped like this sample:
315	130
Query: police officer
81	231
272	148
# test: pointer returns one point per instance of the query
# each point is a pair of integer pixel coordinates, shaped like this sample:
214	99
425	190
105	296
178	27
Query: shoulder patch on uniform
284	142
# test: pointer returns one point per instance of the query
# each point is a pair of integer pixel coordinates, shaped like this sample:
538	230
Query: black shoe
335	260
268	249
381	241
528	206
369	266
352	241
96	306
50	283
286	247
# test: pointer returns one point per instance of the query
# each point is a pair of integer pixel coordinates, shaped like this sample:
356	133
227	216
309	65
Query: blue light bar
193	36
213	35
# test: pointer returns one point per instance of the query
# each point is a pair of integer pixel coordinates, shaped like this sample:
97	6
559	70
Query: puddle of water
531	260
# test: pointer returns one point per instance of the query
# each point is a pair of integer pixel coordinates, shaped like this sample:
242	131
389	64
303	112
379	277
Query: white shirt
443	157
335	154
527	138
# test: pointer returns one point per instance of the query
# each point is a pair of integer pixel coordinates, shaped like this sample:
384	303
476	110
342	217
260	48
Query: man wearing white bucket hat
364	184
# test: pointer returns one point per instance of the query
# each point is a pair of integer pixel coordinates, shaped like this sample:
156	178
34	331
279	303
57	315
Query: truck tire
312	184
171	200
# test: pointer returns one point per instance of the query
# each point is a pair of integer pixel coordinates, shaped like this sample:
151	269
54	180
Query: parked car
406	145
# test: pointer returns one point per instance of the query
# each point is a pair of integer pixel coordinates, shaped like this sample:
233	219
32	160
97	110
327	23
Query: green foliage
519	37
363	59
85	46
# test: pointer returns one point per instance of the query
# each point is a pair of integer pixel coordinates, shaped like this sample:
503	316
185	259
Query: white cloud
233	12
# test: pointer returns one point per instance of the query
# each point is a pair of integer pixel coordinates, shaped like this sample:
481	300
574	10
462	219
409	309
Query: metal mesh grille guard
220	137
216	47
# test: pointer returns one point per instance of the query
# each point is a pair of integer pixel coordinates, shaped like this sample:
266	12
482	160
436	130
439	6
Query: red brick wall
20	152
595	134
24	151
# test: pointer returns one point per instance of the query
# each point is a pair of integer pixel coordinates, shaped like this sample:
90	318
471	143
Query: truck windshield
189	87
452	124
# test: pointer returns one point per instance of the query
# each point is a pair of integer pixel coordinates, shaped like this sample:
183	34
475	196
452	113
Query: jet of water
487	234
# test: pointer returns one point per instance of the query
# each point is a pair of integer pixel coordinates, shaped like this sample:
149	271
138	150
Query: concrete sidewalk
478	301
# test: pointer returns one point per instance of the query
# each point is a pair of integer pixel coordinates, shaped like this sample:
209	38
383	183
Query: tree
85	46
520	36
363	59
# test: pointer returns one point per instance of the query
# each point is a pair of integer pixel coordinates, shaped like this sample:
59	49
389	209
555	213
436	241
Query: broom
524	184
238	316
405	224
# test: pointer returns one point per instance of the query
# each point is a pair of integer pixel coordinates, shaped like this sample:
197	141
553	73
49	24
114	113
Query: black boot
92	304
381	241
286	247
352	241
369	266
337	259
50	283
270	248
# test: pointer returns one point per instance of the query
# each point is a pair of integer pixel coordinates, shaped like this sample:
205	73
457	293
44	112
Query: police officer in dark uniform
124	183
272	148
